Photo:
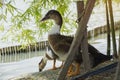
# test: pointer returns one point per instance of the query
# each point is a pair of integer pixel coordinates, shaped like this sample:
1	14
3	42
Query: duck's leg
54	67
76	72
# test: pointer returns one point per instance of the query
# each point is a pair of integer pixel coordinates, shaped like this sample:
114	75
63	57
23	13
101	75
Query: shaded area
52	74
107	68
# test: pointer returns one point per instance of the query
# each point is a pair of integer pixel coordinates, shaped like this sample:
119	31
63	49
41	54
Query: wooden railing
29	48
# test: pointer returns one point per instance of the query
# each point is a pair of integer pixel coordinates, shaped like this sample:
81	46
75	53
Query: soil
53	74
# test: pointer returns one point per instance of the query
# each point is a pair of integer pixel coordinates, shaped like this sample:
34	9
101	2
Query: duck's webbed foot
75	72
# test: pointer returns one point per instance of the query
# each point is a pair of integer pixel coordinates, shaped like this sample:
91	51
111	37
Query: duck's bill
44	19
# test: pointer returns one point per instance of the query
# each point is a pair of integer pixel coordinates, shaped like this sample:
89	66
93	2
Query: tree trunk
119	44
108	29
84	46
112	28
77	40
117	76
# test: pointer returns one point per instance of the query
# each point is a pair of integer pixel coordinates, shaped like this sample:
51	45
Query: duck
49	55
60	45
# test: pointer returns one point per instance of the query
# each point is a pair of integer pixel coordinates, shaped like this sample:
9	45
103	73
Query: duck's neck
55	30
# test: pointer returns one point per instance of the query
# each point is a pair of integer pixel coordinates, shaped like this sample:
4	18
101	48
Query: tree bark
117	76
78	38
119	44
108	29
84	46
112	28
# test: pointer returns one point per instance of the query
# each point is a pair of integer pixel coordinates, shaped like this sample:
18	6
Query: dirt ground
107	75
53	74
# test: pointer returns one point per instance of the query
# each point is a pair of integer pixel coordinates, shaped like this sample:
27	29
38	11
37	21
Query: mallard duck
60	44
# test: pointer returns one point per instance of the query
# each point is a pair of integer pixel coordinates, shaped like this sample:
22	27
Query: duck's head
54	15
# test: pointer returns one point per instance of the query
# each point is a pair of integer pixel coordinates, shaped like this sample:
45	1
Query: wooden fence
19	49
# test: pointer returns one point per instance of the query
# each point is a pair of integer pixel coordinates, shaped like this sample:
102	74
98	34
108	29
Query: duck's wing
61	47
60	43
67	39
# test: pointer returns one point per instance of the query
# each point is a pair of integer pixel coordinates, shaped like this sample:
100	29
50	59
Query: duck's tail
100	59
97	56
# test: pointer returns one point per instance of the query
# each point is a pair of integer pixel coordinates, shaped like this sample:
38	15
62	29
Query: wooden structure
29	48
